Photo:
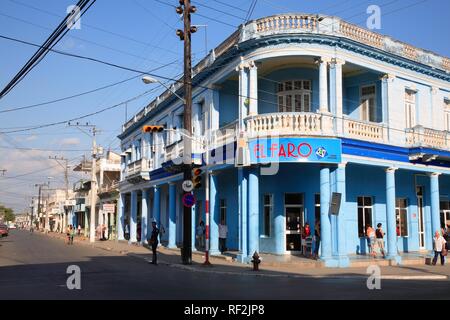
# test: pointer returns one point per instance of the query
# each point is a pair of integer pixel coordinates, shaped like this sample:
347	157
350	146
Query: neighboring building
23	220
335	108
107	177
59	210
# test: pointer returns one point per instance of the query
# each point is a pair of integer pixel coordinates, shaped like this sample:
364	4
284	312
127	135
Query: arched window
294	96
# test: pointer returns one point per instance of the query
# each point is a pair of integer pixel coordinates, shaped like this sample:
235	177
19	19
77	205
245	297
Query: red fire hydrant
256	261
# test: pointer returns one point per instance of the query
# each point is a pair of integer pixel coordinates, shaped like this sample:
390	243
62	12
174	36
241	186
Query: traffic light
152	128
196	178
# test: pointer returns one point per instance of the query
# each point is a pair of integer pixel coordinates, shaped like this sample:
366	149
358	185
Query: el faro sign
314	150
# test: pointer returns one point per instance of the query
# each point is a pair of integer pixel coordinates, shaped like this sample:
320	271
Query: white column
323	85
243	92
253	90
437	120
336	94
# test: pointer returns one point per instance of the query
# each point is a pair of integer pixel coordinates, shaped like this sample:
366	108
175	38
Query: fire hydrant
256	261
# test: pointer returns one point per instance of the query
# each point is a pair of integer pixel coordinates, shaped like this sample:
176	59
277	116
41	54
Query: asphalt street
34	266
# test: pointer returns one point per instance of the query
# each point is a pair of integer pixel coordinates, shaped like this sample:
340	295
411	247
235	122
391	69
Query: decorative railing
446	63
409	52
137	166
426	137
365	130
287	22
225	134
80	207
175	150
360	34
114	186
304	123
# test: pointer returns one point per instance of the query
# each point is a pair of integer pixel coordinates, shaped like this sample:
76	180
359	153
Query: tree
7	213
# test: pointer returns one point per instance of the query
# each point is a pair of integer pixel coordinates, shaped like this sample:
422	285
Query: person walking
153	241
223	232
79	229
200	235
72	233
306	232
439	248
316	240
370	233
379	233
68	233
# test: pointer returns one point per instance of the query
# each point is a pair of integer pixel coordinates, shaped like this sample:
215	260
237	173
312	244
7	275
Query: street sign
188	186
109	208
188	200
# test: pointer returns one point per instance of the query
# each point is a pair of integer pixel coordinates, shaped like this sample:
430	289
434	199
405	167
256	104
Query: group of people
375	240
200	236
101	232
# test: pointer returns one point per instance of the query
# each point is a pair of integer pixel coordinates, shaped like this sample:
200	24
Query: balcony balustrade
420	136
363	130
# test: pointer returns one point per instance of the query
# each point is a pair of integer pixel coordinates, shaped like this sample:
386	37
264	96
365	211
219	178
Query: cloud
31	138
70	142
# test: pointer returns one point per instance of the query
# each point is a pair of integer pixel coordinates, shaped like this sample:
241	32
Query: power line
52	40
250	10
220	11
125	37
83	93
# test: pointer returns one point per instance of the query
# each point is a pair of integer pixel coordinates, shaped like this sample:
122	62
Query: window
364	215
368	103
223	210
294	96
267	214
447	114
410	108
137	150
401	215
317	206
294	206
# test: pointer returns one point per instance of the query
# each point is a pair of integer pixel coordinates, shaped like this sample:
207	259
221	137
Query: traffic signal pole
186	252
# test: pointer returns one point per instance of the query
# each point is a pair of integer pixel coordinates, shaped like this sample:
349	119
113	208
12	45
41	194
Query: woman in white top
439	246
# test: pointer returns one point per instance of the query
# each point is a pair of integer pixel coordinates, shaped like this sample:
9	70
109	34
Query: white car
12	226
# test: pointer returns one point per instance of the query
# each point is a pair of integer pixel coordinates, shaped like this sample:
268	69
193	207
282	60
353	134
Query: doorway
419	193
294	215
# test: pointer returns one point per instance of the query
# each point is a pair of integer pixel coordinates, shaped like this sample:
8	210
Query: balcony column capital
388	77
434	90
337	62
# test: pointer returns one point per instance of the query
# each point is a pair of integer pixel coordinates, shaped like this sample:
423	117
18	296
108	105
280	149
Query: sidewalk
271	266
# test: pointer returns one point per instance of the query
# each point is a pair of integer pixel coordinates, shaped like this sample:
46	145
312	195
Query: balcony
80	207
137	171
363	130
288	124
111	187
425	137
175	150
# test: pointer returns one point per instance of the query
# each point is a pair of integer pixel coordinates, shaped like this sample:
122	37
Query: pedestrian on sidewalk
439	248
200	235
153	241
306	232
79	229
223	232
379	233
370	233
316	240
72	233
68	234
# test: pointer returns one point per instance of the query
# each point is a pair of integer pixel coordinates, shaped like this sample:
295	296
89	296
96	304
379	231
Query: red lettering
273	148
282	151
291	148
256	151
300	151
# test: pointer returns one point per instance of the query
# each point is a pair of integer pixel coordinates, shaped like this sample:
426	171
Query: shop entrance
445	213
419	192
294	215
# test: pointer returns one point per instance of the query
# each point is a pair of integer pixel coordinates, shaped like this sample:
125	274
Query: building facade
290	113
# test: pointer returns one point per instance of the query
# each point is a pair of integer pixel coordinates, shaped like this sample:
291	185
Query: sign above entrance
313	150
109	208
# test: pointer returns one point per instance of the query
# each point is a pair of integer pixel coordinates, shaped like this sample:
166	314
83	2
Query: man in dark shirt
154	241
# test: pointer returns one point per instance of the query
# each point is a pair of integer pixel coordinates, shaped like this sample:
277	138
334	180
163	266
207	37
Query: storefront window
401	213
268	207
364	215
317	207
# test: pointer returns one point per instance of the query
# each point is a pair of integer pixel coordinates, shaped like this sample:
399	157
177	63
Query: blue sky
139	34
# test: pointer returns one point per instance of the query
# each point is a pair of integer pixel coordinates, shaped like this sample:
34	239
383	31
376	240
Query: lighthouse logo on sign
321	152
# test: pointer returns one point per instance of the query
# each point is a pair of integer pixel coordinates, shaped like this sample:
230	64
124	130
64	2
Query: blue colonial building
287	111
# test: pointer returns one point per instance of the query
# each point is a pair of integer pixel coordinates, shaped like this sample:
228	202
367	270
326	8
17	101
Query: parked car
12	226
4	230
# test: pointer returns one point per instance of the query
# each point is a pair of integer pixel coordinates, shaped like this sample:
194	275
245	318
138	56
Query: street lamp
148	80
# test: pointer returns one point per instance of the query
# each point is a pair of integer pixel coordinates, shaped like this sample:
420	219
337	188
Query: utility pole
95	152
186	9
66	180
40	185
